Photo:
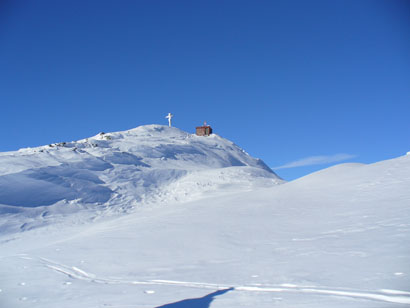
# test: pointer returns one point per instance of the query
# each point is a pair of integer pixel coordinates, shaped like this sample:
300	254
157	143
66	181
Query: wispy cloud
316	160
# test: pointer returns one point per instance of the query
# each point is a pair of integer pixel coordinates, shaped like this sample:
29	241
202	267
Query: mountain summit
150	163
335	238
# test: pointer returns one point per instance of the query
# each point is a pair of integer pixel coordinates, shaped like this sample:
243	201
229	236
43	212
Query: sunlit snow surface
155	217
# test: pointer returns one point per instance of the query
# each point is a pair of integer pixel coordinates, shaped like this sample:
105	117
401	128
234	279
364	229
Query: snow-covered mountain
118	171
212	230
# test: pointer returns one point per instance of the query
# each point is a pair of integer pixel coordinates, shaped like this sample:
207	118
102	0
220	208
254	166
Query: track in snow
391	296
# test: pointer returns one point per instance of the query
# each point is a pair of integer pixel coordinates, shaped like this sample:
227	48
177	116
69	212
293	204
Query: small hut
204	130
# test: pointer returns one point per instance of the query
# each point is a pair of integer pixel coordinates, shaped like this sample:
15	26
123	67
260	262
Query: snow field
213	234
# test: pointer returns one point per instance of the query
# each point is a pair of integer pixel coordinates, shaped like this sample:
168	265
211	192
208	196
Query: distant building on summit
204	130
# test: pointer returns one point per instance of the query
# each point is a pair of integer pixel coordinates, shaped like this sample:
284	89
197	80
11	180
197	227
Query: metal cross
169	117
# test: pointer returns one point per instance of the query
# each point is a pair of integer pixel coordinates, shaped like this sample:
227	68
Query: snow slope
117	171
336	238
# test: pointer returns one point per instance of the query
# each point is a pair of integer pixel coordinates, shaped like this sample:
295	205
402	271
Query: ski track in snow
384	295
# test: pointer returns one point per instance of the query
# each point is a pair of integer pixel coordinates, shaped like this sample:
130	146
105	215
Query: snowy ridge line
384	295
149	164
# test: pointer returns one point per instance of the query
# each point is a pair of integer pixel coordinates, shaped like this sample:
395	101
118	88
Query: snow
196	222
116	171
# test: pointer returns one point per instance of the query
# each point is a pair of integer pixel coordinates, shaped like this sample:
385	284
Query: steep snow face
123	169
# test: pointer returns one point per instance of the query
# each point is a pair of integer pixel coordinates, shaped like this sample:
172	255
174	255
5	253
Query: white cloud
316	160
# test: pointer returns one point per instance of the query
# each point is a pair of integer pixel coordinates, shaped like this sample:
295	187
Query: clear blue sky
285	80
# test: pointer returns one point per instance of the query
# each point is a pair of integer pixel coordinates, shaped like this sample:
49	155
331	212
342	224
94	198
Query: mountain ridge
335	238
122	170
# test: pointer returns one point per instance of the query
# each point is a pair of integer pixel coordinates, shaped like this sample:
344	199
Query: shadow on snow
200	302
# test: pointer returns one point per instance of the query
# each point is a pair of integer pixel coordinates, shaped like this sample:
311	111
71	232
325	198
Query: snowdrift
121	170
215	229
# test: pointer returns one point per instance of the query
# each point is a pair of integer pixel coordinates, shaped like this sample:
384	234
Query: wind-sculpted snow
122	170
335	238
205	227
46	186
124	158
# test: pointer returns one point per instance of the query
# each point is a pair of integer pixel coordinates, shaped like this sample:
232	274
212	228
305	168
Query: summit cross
169	117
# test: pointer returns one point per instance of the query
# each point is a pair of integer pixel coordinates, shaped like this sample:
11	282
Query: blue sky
301	84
